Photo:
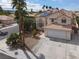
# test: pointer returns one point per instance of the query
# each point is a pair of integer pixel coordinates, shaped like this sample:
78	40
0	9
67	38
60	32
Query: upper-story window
63	20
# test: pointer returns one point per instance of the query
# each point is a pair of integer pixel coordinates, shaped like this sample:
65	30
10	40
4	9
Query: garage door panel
58	34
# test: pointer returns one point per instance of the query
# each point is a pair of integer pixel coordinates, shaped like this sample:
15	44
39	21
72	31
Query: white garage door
58	34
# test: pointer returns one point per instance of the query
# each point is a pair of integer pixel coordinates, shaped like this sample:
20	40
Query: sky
37	4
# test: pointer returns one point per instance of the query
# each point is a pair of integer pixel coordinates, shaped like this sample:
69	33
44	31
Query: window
40	23
52	19
63	20
0	22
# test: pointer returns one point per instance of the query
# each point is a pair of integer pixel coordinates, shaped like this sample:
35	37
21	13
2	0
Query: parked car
3	33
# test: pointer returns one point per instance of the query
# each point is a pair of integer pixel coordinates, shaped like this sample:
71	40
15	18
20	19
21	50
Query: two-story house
57	23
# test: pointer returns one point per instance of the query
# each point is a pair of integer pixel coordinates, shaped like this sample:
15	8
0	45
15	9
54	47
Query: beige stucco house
57	23
6	20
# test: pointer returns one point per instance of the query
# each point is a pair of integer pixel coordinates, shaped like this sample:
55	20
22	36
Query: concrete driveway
52	48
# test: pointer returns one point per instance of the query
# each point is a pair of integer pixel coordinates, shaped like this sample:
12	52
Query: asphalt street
10	29
3	56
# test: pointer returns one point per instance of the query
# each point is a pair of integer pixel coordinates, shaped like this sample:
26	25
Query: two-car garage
58	32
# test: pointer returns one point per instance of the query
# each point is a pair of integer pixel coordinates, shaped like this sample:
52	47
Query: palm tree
46	7
50	7
1	10
31	10
19	5
43	7
57	8
20	13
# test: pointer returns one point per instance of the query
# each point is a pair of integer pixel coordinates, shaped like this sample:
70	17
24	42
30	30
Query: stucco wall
68	20
59	20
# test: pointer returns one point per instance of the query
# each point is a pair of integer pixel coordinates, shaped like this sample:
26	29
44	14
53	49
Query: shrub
34	32
29	23
77	18
12	40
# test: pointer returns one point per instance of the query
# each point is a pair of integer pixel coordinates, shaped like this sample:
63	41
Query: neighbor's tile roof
62	11
4	17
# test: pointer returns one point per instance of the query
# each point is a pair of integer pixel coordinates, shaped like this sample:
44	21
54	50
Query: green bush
77	19
12	40
34	32
29	23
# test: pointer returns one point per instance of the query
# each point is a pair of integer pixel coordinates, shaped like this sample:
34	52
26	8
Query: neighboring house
6	20
77	13
57	23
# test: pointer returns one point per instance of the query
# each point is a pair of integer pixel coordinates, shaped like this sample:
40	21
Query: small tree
29	23
40	11
50	7
47	7
77	18
43	6
1	10
31	10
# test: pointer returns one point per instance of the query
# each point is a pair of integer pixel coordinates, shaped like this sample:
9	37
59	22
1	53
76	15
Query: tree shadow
27	48
41	56
27	56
